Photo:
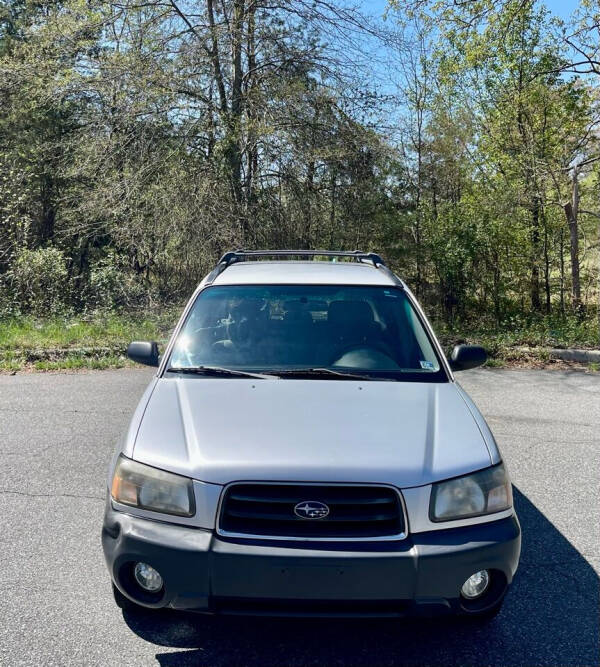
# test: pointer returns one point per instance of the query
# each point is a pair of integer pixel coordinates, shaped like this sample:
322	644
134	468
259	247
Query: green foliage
495	135
111	285
137	146
517	331
94	341
80	363
40	280
103	330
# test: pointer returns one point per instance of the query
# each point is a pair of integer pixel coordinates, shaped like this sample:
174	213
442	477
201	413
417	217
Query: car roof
311	273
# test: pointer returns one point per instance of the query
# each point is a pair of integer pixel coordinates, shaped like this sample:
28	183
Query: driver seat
353	323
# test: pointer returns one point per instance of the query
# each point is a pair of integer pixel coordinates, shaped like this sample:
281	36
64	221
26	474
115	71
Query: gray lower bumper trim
207	573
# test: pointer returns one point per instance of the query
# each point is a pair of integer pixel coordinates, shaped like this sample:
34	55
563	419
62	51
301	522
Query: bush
112	286
39	281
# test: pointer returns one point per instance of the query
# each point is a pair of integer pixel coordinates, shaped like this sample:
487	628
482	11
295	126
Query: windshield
373	331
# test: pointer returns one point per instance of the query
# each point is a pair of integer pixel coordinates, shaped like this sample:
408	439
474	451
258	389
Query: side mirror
143	352
464	357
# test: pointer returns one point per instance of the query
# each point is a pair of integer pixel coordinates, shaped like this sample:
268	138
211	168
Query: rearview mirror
464	357
143	352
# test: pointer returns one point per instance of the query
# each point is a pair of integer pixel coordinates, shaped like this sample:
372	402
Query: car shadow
550	617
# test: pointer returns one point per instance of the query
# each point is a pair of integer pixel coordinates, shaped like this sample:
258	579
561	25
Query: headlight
479	493
148	488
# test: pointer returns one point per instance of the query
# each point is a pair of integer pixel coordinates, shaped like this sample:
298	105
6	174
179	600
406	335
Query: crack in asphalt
553	563
50	495
65	411
576	583
537	421
539	439
45	448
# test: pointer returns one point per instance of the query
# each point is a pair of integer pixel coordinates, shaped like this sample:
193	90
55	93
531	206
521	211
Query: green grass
540	333
69	362
495	363
86	342
94	331
518	341
79	363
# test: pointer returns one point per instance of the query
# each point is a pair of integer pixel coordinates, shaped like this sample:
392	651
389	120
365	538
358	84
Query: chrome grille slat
340	501
355	511
390	516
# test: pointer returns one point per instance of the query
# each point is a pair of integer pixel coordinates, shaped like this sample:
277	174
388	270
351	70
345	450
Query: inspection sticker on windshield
427	365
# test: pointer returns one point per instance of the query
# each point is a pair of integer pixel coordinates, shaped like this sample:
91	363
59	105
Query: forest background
140	139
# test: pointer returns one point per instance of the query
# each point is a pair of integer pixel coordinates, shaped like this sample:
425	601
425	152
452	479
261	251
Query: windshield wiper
319	373
219	371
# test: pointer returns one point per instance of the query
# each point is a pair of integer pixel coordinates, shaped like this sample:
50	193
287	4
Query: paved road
56	437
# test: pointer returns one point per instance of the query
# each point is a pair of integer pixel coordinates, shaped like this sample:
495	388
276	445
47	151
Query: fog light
147	577
476	585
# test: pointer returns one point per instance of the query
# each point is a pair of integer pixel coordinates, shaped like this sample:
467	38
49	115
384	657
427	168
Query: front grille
269	510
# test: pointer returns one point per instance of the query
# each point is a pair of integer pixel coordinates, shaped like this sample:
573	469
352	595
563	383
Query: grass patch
94	341
541	333
79	363
98	330
495	363
10	365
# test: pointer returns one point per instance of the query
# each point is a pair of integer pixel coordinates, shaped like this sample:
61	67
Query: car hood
224	430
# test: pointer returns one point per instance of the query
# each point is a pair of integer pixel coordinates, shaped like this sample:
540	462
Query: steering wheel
380	348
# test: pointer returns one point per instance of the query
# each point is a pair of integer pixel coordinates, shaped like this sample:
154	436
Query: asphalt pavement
57	433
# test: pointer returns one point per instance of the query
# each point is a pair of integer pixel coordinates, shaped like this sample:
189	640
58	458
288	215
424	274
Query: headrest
350	313
294	306
249	308
296	311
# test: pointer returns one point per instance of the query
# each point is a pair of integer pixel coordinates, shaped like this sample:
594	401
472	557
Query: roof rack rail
235	256
241	255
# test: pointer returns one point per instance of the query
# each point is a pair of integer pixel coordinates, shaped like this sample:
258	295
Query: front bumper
204	572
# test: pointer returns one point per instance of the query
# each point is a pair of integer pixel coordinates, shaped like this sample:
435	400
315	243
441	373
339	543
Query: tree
498	61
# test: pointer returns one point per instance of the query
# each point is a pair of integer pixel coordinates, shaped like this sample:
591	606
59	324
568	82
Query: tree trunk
562	271
252	151
572	212
309	192
418	206
332	208
234	153
496	287
536	304
546	265
231	113
216	58
48	217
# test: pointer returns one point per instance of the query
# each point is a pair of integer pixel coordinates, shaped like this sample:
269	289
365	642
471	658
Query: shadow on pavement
550	617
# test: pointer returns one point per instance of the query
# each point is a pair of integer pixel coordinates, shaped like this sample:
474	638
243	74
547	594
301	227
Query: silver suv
304	449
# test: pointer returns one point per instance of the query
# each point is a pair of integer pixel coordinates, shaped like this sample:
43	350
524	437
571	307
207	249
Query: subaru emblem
311	509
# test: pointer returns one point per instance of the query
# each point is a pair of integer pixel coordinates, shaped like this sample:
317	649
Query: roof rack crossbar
234	256
240	255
